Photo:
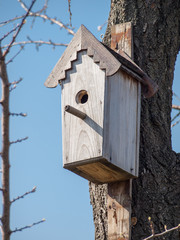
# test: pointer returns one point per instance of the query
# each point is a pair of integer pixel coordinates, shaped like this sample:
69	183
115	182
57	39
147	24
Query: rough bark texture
5	219
156	193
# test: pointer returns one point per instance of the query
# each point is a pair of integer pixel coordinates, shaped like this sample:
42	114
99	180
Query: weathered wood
75	112
98	170
121	38
83	139
120	141
120	193
107	58
119	210
103	147
83	40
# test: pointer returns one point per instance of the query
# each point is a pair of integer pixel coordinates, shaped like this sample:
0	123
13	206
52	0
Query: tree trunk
156	192
5	219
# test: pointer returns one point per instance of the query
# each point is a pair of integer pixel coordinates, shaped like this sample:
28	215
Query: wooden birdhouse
101	99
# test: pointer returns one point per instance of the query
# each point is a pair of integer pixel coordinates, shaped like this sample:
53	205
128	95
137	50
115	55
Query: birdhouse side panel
121	140
83	89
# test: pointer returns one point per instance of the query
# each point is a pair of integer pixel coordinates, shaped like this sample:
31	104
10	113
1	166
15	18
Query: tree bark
156	27
5	219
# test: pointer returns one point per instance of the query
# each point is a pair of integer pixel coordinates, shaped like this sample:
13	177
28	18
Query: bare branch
101	26
45	17
7	34
20	17
23	5
177	107
174	124
11	60
163	233
16	82
19	140
19	28
175	116
70	13
11	20
39	42
25	194
18	114
28	226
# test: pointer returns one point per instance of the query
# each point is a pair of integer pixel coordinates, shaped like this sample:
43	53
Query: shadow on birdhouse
101	99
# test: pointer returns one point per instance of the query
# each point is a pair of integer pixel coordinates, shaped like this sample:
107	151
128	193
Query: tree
7	87
156	192
156	46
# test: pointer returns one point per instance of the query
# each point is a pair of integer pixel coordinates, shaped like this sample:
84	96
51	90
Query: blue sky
62	198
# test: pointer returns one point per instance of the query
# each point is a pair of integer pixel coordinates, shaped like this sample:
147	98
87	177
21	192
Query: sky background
62	198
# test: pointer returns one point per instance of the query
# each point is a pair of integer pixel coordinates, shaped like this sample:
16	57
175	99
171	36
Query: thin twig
7	34
163	233
177	107
20	17
18	114
99	28
174	124
175	116
45	17
19	28
70	13
19	140
11	60
11	20
25	194
16	82
39	42
28	226
12	88
13	85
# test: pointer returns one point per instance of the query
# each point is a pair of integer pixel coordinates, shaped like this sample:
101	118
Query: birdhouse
101	100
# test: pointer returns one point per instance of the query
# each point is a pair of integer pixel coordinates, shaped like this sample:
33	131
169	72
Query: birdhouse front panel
83	89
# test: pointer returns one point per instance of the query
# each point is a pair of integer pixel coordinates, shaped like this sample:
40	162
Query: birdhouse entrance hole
82	97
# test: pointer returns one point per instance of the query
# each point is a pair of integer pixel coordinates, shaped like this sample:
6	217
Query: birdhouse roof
108	59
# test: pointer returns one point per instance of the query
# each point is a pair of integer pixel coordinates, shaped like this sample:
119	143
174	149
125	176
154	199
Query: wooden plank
82	139
121	38
120	193
98	170
119	209
120	143
138	121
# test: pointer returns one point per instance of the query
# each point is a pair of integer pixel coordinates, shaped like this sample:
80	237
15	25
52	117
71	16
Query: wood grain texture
122	38
120	140
98	170
83	40
120	193
82	139
108	59
119	210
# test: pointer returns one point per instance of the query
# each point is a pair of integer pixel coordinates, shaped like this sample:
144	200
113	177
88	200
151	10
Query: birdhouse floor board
98	171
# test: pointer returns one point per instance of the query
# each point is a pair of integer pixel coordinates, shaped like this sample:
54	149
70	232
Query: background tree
156	192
